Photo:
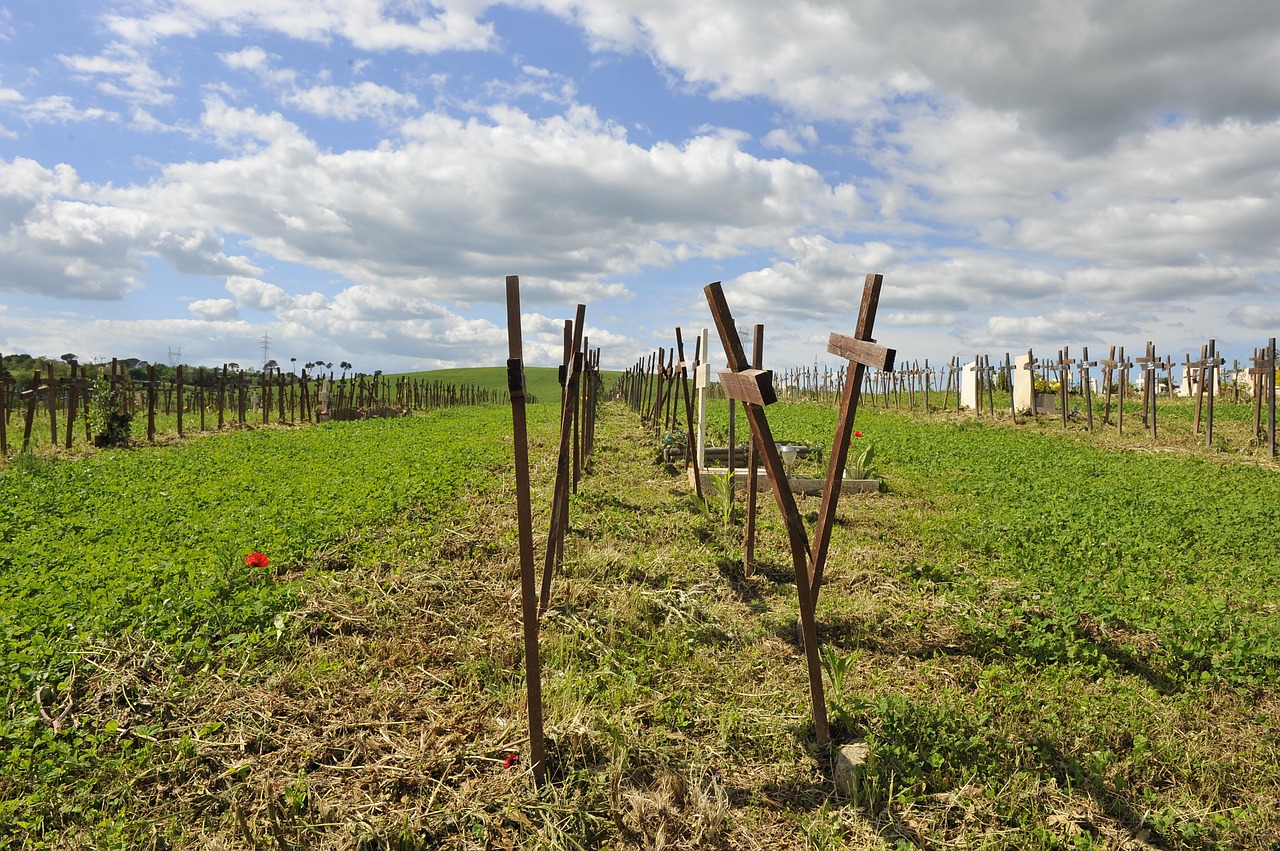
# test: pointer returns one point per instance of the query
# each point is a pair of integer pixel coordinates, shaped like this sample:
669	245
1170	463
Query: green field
1046	640
542	381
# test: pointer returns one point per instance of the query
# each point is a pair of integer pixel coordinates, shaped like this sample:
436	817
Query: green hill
542	381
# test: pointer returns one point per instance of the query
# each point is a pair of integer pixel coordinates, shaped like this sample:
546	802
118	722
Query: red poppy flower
857	434
256	560
512	759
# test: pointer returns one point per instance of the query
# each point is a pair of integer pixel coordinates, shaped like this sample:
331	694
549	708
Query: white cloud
214	309
57	240
256	294
122	71
375	25
59	109
1083	75
1257	317
361	100
791	142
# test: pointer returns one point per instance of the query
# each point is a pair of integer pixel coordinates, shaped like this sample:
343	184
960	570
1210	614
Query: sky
353	179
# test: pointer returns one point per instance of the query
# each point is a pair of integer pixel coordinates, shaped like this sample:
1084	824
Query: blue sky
354	179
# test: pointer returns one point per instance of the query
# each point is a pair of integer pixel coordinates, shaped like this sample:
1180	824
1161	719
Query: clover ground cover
124	554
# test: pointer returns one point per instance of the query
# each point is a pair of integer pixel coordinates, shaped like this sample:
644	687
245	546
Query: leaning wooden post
690	443
753	476
151	402
862	352
178	380
1271	380
1198	366
1124	366
524	521
755	389
1212	361
560	496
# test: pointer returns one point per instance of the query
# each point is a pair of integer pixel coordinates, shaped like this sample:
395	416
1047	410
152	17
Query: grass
1032	655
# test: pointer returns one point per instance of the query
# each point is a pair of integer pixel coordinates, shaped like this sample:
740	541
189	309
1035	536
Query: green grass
1044	642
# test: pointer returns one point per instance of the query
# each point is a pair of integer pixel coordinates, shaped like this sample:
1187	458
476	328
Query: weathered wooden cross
1086	385
1109	364
1064	364
1149	364
753	387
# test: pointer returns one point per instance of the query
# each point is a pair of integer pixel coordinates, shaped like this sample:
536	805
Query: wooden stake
524	519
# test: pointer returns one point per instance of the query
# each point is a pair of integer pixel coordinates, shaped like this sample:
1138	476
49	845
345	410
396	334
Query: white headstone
969	385
1024	387
1189	381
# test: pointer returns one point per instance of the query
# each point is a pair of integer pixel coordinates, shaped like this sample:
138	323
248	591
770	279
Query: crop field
1045	638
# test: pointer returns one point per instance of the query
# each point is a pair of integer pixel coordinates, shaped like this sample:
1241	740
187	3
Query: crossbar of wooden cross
752	389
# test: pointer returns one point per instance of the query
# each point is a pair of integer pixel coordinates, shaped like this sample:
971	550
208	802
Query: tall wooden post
524	521
749	551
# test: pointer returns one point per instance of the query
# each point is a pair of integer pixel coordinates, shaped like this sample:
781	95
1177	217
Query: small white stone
850	761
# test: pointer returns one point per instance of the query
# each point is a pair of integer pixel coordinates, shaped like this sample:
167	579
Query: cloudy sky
354	178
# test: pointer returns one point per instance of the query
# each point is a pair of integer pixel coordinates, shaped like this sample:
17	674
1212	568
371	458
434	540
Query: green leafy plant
843	707
108	415
717	504
861	465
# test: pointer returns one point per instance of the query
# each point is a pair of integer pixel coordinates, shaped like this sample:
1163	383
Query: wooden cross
754	388
78	387
1212	363
1065	362
1124	365
1087	385
863	353
1149	365
1188	368
1196	369
1108	364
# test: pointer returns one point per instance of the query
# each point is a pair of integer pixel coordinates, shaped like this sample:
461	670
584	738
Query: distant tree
270	365
68	358
344	365
234	367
